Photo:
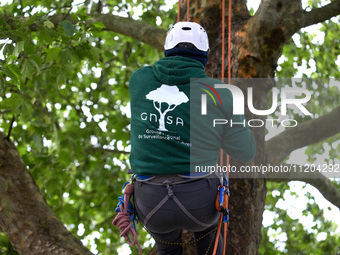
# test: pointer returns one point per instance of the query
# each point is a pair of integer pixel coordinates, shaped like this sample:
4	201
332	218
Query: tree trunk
25	217
255	50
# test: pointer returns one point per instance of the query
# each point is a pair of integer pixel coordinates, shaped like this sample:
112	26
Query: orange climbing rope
188	4
229	79
225	227
179	10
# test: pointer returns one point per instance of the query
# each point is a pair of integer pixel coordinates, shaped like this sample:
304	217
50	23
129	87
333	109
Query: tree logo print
168	96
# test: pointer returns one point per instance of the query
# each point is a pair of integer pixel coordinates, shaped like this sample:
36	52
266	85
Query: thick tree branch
316	179
289	17
279	15
135	29
321	14
309	132
25	217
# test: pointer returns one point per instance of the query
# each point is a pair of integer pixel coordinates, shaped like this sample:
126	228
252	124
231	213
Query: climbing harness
168	181
126	218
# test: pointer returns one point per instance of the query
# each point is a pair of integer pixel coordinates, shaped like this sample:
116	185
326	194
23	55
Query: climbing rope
224	217
179	10
125	219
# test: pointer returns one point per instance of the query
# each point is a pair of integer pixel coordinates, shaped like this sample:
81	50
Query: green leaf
48	24
8	49
13	72
11	59
30	48
47	35
19	47
95	53
52	54
26	108
2	82
12	103
97	26
84	17
75	16
69	28
28	68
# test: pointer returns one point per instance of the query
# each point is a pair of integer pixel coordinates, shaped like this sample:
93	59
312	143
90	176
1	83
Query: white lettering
237	123
169	120
219	121
255	120
262	112
282	123
179	121
238	100
144	116
238	97
296	101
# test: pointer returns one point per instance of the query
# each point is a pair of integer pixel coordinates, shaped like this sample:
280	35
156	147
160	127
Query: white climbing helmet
190	32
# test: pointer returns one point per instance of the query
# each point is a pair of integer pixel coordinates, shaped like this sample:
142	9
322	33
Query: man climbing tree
64	72
182	199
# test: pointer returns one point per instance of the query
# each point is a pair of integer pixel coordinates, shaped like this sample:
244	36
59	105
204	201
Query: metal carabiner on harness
222	198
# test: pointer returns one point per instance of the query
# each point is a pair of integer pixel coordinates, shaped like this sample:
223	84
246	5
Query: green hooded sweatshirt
169	133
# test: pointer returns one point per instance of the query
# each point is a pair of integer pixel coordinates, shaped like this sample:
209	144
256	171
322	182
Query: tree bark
246	203
25	217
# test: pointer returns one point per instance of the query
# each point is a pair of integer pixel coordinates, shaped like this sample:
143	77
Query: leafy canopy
64	90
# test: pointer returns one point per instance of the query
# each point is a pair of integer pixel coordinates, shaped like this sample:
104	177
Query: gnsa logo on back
287	98
165	99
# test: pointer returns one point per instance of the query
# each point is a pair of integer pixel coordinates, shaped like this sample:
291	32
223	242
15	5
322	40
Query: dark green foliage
67	86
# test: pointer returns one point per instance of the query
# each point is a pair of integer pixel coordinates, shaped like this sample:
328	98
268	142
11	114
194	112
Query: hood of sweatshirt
177	70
